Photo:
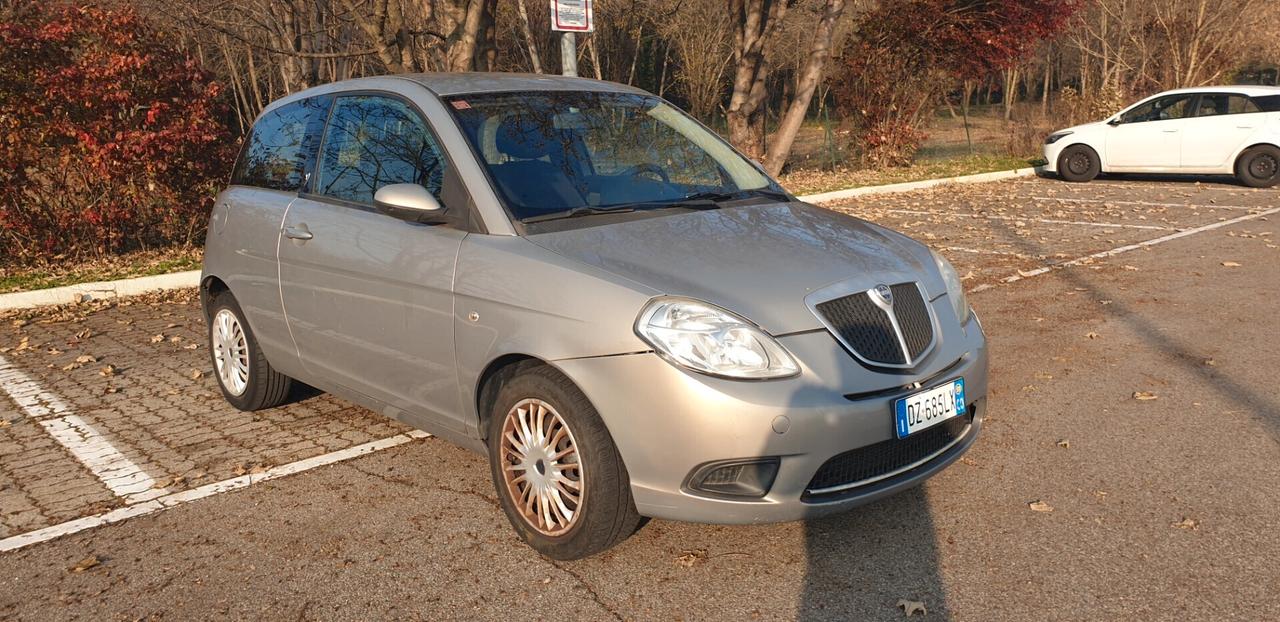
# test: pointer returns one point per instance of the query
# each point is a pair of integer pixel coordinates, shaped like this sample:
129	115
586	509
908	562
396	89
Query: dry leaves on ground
1145	396
1187	523
1040	506
86	563
912	607
691	558
1231	264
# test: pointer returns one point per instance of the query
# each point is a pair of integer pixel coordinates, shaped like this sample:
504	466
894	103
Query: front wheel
1079	163
558	474
1259	167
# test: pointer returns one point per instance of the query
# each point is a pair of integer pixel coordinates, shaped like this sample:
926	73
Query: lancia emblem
885	294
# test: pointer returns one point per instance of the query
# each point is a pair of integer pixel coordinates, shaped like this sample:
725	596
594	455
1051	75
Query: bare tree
806	83
754	23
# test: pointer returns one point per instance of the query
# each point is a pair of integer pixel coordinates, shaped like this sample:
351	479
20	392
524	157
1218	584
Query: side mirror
1113	121
409	202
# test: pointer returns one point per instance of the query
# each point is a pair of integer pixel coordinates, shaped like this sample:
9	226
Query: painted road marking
1050	221
1127	248
120	475
1145	203
169	500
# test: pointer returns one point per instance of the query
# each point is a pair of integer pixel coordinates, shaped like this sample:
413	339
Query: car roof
1242	89
461	83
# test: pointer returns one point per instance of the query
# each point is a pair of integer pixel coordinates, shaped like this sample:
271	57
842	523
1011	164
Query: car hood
759	261
1082	128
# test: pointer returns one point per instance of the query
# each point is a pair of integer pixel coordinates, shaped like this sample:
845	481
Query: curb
103	290
100	290
839	195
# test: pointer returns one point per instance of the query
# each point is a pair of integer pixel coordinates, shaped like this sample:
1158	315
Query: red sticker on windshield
461	104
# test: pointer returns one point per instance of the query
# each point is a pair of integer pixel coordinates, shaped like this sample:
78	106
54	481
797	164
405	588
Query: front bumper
666	422
1051	153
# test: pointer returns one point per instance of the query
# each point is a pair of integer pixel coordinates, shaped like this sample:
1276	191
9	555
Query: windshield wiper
717	196
577	212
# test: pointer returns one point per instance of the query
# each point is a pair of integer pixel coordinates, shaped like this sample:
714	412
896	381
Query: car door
1148	137
369	297
273	164
1219	128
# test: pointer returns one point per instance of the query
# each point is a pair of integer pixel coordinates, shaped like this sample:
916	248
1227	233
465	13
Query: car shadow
861	563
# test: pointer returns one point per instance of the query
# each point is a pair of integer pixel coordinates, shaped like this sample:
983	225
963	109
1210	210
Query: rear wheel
1259	167
246	378
1079	163
558	474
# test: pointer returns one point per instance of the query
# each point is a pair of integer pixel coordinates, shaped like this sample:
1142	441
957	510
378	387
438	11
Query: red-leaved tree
110	139
903	53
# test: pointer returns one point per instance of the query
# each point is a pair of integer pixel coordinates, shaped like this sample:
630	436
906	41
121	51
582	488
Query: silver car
573	277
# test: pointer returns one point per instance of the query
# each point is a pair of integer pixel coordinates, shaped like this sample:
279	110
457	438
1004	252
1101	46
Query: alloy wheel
541	467
230	352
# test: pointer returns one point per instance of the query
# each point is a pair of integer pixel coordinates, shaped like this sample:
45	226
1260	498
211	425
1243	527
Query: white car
1212	130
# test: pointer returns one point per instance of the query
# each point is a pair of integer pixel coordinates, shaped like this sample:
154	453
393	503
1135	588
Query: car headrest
525	139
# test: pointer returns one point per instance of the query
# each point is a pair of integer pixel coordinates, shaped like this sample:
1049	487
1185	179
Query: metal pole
568	54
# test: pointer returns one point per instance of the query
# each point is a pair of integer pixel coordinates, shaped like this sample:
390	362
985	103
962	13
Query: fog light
738	478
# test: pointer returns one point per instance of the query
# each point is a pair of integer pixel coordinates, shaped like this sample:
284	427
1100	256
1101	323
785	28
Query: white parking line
1051	221
178	498
1131	247
1145	203
120	475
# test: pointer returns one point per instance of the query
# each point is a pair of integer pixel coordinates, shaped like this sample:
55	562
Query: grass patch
57	274
814	181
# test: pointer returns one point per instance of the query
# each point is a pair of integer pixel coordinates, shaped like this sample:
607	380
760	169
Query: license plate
927	408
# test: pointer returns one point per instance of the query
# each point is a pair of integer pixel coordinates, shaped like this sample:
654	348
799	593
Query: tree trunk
807	82
534	59
754	21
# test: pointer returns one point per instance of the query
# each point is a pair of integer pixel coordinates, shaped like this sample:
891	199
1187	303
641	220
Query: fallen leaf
196	374
546	580
86	563
240	470
1091	335
1064	443
1230	264
4	423
110	390
85	358
1186	523
175	339
1040	506
911	607
690	558
84	334
1210	362
109	370
191	346
157	338
1145	396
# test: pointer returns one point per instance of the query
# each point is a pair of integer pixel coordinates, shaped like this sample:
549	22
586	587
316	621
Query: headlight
707	339
955	290
1055	137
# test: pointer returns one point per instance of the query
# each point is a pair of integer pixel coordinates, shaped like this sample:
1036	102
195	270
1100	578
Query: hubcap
541	468
230	352
1079	163
1263	167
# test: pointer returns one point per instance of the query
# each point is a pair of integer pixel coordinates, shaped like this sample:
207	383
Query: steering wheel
648	167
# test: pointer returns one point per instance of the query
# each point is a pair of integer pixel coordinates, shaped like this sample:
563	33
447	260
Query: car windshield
559	154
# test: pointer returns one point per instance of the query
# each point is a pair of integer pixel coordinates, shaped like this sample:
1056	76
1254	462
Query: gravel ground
1156	508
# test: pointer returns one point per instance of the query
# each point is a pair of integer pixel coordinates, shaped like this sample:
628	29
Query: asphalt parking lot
1129	467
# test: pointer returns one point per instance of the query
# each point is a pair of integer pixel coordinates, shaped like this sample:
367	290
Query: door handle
1169	131
1244	127
297	233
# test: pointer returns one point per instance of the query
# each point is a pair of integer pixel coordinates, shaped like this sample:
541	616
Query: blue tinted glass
280	149
373	142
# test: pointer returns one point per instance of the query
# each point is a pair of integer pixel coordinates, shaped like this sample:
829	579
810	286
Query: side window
280	148
1163	109
374	141
1218	104
1268	103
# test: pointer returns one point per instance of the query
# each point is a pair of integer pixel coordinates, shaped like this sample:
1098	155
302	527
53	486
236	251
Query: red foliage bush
110	138
903	54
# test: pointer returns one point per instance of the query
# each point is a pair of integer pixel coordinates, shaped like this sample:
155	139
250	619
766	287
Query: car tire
247	380
560	419
1079	163
1259	167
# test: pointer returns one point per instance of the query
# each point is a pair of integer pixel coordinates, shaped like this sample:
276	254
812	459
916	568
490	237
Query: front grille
885	457
868	330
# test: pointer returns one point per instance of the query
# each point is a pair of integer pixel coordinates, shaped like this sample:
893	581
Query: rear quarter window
282	145
1268	103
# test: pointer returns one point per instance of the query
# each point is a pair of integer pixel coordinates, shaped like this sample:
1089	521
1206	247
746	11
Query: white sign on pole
572	16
